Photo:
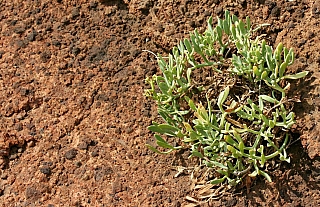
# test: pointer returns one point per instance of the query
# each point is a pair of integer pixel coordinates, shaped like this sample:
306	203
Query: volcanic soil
73	118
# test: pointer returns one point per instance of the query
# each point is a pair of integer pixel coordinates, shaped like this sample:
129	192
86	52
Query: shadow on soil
287	181
119	3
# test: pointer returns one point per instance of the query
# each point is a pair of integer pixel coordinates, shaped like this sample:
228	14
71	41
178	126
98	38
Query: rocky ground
73	117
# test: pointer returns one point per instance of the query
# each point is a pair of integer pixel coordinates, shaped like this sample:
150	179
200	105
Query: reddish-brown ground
73	117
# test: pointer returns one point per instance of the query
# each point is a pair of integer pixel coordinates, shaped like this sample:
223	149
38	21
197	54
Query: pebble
71	154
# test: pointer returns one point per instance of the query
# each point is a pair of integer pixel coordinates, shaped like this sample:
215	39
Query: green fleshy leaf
217	164
269	99
235	153
164	87
197	153
265	175
159	138
190	103
223	172
282	69
296	76
157	151
231	141
165	145
253	174
164	129
218	181
222	97
188	45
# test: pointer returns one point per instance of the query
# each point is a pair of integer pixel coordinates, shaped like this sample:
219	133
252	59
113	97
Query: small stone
129	130
19	29
75	13
85	177
275	12
19	127
32	36
24	91
192	23
21	44
207	13
301	42
182	9
78	164
83	146
75	51
30	144
159	27
93	5
65	21
45	170
93	143
95	153
32	193
13	22
118	131
219	10
39	21
56	43
45	56
71	154
4	176
30	126
291	25
2	162
316	9
21	115
48	28
12	157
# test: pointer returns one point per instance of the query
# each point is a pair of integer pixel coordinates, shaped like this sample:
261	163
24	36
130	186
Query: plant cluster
238	119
